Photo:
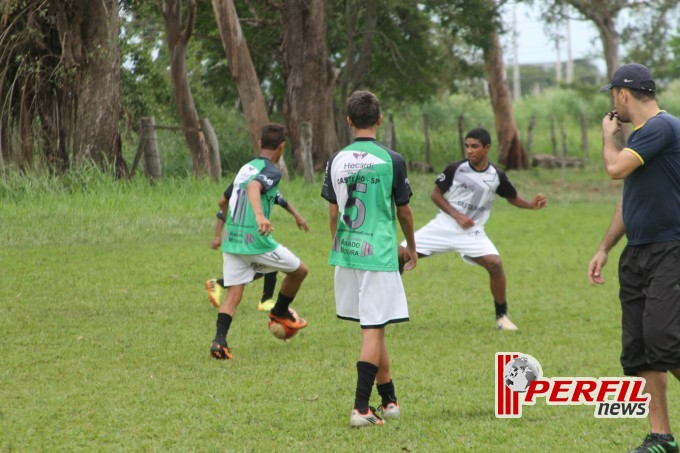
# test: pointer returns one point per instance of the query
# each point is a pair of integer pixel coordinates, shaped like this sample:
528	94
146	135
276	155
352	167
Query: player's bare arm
464	221
614	233
617	163
539	202
219	226
405	217
333	215
299	220
253	189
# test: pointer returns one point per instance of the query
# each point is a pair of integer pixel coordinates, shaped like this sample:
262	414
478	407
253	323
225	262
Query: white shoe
391	411
358	420
504	323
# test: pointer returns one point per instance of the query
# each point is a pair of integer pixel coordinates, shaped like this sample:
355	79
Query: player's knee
301	271
493	264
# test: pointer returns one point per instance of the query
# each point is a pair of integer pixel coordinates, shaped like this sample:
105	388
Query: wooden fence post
426	130
563	163
563	136
152	159
140	149
584	136
214	162
530	134
461	135
306	144
553	136
148	147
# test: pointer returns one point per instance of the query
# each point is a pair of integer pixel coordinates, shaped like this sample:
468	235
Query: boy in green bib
248	246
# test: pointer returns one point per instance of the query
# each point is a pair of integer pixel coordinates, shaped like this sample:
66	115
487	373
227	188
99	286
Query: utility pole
558	48
516	85
570	60
558	61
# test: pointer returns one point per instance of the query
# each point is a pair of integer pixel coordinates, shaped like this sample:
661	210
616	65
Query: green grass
105	327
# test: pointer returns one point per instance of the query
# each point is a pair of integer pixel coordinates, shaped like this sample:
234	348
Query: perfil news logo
520	381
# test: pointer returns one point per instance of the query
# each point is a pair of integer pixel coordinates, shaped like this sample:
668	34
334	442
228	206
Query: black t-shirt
651	193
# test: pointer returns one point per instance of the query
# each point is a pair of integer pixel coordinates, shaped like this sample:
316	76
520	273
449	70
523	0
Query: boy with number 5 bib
363	183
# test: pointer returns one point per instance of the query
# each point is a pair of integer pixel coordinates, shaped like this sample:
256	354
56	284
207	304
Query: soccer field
105	328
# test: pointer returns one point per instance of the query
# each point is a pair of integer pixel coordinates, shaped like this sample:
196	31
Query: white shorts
373	298
435	238
240	269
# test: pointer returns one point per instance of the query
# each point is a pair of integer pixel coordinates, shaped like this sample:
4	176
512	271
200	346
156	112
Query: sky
535	46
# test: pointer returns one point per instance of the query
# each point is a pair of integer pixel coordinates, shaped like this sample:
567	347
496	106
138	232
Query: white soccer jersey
472	192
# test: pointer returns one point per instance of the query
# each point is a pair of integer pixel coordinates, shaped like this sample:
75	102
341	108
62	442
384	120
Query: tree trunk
178	39
510	151
67	61
242	68
603	15
243	72
309	79
95	135
359	56
610	43
213	149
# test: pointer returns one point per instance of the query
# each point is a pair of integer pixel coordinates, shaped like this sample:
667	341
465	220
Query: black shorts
649	276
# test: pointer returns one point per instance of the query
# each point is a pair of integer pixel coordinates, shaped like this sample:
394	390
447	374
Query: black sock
220	281
269	285
365	378
666	437
386	392
501	309
223	324
281	307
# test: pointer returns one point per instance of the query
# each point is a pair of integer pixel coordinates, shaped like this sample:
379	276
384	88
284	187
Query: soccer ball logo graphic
520	372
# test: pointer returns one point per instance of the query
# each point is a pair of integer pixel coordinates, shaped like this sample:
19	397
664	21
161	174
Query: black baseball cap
633	76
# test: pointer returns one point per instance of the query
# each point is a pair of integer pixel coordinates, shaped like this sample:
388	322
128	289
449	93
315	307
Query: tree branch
190	21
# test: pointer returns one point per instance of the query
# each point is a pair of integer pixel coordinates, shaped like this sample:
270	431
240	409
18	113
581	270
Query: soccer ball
280	331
